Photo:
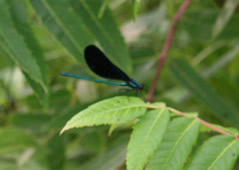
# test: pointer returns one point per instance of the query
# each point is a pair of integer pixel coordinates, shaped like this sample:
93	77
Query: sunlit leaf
176	145
116	110
146	137
219	153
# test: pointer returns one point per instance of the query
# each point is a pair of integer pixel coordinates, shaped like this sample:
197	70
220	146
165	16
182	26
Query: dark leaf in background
105	31
56	155
8	141
30	122
20	50
113	158
201	90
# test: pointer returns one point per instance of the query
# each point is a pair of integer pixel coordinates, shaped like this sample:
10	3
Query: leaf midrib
113	110
95	20
178	141
154	122
58	21
11	54
221	154
111	42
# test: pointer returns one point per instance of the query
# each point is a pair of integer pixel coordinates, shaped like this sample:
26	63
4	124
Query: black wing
101	65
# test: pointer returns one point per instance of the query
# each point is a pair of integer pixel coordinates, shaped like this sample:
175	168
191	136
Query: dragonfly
103	67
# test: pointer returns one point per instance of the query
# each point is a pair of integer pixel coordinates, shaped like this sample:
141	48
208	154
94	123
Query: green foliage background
41	38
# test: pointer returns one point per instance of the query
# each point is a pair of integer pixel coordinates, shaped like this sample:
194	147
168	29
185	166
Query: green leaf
224	16
56	155
156	104
202	55
105	30
41	93
230	31
186	75
110	160
64	24
136	6
75	32
94	142
116	110
202	29
176	145
222	61
21	23
31	164
33	122
103	7
112	128
13	44
36	161
13	140
59	120
218	153
230	130
146	137
6	165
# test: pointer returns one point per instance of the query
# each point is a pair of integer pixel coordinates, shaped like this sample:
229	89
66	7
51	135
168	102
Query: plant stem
205	123
166	47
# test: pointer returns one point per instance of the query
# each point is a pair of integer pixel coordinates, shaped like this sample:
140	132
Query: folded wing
102	66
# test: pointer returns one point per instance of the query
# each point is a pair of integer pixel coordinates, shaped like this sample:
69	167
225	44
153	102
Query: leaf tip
62	131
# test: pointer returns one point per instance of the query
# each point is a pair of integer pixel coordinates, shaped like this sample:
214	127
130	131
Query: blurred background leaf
105	31
202	91
226	13
18	50
136	7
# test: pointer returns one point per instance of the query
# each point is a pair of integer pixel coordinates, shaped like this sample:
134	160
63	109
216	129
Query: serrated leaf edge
221	154
123	108
179	139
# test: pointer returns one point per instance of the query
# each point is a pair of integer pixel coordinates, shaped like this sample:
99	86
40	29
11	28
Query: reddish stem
177	112
166	47
211	126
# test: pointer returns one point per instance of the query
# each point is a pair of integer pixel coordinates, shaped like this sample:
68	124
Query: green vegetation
52	122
